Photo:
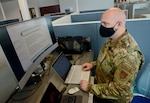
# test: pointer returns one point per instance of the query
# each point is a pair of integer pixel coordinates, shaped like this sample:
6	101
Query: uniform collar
110	40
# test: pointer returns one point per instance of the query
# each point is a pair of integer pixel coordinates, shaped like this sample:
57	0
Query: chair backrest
143	83
140	99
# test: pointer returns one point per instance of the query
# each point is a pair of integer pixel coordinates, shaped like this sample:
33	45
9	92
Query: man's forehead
107	19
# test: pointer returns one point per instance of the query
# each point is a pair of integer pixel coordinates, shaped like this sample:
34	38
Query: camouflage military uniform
116	68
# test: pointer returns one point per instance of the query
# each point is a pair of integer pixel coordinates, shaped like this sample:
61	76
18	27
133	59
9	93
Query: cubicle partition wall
139	28
90	11
90	16
7	22
85	29
83	17
56	17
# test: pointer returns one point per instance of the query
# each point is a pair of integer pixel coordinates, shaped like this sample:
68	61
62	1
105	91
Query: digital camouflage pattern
116	69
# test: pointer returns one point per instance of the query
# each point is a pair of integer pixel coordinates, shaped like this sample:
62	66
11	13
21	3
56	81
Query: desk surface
50	76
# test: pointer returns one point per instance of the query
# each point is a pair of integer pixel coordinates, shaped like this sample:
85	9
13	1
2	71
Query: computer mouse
73	90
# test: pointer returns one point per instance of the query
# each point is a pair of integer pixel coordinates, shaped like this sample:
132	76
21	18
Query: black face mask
106	32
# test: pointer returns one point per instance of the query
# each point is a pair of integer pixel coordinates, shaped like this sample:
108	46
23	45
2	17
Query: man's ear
119	23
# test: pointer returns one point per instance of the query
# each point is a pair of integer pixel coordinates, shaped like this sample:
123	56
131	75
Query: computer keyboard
71	99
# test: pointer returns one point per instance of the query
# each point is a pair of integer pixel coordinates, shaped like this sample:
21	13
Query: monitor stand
33	80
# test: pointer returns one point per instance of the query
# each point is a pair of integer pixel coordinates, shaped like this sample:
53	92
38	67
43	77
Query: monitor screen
62	66
26	44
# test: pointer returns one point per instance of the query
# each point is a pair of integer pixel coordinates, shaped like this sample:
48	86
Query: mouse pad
51	95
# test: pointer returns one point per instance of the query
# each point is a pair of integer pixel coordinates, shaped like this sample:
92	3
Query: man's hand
87	66
83	85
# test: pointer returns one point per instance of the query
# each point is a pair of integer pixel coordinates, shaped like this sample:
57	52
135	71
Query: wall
11	8
41	3
135	0
68	4
1	16
85	5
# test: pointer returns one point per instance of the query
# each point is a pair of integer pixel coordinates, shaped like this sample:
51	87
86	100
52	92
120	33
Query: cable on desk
75	61
33	89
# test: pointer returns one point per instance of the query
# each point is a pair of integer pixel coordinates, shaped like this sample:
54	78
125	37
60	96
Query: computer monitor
7	79
26	44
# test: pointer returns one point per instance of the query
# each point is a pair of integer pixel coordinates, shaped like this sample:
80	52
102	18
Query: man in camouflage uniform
118	62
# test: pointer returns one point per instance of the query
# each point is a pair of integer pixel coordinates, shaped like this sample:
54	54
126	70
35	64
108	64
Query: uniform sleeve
123	78
93	63
111	90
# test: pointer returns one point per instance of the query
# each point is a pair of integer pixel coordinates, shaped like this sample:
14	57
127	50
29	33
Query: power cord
30	89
